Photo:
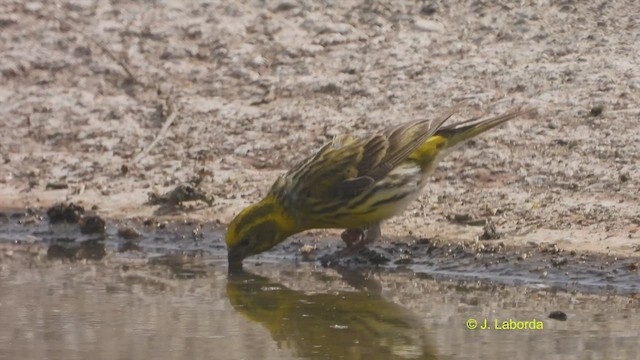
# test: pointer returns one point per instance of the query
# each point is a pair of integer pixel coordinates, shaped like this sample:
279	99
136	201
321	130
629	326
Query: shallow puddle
102	311
168	296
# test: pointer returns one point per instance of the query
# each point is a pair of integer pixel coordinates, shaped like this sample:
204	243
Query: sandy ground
250	87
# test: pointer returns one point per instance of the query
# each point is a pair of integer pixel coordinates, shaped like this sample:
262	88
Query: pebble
559	261
243	150
92	224
70	213
558	315
336	28
428	26
128	233
285	6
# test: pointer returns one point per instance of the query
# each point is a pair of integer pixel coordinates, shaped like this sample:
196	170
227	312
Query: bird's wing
403	140
319	175
346	167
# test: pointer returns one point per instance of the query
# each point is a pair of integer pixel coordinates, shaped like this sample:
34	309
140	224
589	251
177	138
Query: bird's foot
356	240
353	236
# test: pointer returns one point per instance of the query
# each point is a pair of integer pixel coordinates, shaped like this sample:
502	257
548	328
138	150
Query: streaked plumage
351	183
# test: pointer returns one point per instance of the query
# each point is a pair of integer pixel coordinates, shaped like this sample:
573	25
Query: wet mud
187	245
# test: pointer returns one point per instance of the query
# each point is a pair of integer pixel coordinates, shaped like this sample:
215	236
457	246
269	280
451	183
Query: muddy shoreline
190	247
118	307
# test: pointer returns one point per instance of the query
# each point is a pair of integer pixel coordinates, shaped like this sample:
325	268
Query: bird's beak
235	257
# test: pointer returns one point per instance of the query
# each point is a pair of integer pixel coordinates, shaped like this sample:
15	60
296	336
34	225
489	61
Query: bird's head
256	229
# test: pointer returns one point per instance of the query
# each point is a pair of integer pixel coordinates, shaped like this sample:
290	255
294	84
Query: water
171	298
102	311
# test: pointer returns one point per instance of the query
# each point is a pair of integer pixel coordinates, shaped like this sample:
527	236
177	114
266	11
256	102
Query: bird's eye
244	242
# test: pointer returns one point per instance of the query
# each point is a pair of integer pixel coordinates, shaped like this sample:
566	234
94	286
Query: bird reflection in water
337	325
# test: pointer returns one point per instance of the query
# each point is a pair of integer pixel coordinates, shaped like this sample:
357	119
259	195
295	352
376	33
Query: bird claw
356	240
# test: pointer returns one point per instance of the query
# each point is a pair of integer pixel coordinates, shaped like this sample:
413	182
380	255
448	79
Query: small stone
56	186
428	10
558	315
596	110
92	224
285	6
243	150
338	28
128	233
559	261
70	213
428	26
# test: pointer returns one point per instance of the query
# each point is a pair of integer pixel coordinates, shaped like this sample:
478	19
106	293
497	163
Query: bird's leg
373	233
356	240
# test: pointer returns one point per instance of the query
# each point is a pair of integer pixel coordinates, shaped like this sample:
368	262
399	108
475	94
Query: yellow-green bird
370	327
351	184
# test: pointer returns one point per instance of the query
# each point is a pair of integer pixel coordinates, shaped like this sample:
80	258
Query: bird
352	183
360	324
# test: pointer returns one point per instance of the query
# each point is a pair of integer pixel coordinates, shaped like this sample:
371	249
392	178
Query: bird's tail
447	137
458	133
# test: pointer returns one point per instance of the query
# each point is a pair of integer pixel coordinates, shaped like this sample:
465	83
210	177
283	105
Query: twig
102	47
170	117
